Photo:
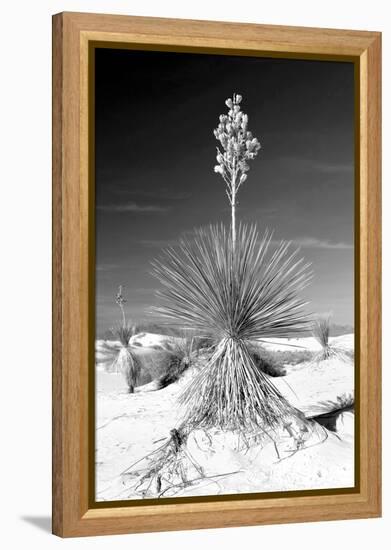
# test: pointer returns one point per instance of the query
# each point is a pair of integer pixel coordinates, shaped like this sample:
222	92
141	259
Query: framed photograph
216	274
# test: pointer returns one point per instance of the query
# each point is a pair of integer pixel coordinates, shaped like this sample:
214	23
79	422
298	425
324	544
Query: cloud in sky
304	242
166	243
133	207
334	168
266	212
310	242
106	267
327	166
163	243
155	193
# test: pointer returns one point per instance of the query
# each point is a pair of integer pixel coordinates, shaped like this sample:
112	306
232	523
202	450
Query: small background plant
126	361
321	332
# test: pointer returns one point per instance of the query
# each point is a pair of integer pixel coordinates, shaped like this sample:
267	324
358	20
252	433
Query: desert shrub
176	366
349	354
158	328
126	361
290	357
181	352
167	366
321	332
343	402
267	361
203	343
130	365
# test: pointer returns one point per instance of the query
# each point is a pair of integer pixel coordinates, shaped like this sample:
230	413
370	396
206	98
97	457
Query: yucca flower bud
119	299
238	146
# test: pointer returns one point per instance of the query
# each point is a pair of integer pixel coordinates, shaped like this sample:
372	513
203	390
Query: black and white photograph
224	276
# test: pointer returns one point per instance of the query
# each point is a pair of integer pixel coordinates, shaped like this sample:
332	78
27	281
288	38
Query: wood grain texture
57	463
72	220
373	261
232	35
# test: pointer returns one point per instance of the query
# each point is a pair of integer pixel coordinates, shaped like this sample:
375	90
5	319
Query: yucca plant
321	333
232	285
239	294
126	360
235	287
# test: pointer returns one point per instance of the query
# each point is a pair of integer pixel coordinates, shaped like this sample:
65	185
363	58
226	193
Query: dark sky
155	153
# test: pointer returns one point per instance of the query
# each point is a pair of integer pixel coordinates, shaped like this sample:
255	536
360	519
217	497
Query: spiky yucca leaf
124	333
181	344
238	292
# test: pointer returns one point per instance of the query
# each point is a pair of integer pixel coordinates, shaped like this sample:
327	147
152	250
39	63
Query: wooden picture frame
73	223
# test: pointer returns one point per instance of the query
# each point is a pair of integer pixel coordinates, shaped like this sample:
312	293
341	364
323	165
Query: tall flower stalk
120	301
238	146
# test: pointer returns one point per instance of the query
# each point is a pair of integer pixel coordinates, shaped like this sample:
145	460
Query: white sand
346	342
131	426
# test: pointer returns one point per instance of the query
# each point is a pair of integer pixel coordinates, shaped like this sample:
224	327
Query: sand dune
131	426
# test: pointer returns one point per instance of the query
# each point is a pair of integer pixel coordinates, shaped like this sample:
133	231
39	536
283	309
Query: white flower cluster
238	145
120	299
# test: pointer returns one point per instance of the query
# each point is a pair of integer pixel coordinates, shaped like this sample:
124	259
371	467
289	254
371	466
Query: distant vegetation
272	361
321	333
146	326
126	360
155	327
